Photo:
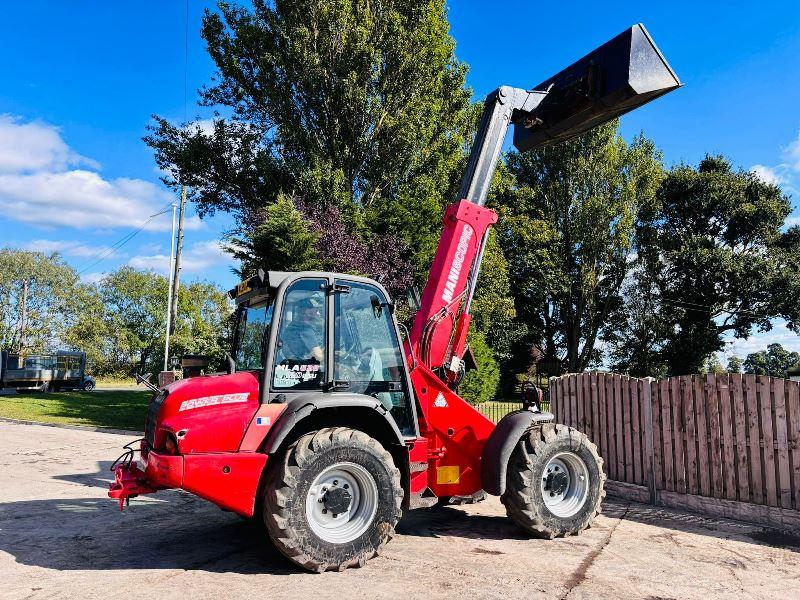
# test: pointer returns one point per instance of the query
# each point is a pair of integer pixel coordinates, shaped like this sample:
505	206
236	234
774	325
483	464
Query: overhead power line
119	244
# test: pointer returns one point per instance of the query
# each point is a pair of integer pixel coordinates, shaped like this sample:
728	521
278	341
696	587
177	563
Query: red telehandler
327	427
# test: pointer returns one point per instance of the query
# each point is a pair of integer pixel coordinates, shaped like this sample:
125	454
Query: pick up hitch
129	479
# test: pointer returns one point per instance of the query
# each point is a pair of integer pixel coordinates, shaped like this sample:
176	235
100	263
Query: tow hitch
129	479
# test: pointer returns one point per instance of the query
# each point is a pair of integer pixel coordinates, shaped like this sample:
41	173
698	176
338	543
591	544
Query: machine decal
458	263
441	401
263	421
287	375
213	401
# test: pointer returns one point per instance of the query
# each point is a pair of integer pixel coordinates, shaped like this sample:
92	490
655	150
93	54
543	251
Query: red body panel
229	480
260	426
162	471
212	411
465	225
456	435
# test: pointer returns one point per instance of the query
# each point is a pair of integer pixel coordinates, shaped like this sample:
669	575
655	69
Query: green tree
635	333
775	361
567	229
136	304
91	332
734	365
715	243
480	385
358	104
282	241
51	294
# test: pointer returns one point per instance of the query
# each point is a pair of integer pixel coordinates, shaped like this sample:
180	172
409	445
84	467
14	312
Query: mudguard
302	406
500	445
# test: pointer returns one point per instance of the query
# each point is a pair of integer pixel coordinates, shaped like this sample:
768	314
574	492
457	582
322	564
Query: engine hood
209	413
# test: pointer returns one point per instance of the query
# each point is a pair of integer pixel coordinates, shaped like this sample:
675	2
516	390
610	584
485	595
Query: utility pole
177	268
169	293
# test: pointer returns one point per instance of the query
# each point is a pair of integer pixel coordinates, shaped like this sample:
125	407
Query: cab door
368	357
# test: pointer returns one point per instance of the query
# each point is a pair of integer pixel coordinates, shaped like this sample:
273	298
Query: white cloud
206	126
68	248
38	187
195	259
779	334
792	221
769	174
792	153
35	146
94	277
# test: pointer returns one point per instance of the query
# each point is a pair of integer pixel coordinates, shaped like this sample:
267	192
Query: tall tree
567	230
734	365
635	333
775	361
724	264
136	303
357	104
40	298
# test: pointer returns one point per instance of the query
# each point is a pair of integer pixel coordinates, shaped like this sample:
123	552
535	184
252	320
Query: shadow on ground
175	530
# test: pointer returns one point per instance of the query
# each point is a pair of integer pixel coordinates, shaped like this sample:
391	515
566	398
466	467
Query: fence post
647	404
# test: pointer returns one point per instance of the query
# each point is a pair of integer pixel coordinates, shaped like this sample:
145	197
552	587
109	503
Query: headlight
171	444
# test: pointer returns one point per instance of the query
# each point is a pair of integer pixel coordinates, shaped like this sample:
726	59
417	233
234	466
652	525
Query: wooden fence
727	445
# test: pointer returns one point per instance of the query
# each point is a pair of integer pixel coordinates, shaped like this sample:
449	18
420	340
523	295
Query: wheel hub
557	482
337	500
341	502
565	484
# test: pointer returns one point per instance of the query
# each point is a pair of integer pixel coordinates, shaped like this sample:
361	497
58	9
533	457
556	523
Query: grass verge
99	408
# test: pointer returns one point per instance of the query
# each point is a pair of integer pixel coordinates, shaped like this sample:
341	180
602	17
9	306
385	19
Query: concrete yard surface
61	537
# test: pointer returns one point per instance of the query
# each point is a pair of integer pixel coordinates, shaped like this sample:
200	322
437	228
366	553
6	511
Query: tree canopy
50	292
715	245
775	361
355	104
567	228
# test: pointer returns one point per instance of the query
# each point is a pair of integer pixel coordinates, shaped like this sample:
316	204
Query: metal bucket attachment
617	77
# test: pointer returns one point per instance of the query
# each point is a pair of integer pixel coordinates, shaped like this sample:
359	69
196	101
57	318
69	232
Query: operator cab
326	333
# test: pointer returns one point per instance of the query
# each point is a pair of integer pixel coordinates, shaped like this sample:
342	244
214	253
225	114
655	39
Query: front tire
88	385
334	500
555	481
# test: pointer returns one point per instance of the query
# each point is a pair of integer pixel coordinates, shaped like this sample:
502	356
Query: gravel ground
61	537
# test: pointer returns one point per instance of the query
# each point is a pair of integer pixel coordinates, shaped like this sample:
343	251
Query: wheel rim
345	487
565	484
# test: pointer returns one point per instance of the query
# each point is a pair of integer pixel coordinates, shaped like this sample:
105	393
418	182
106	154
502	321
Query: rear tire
555	481
334	469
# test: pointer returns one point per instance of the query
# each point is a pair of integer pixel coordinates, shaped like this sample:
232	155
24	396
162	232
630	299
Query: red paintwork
206	476
256	434
456	434
162	471
464	226
220	455
214	427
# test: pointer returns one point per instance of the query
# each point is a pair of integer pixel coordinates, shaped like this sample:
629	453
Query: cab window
300	348
252	327
367	351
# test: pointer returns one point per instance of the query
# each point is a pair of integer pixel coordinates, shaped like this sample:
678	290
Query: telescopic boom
619	76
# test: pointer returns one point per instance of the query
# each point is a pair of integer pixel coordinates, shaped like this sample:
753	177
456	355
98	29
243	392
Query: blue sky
81	79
